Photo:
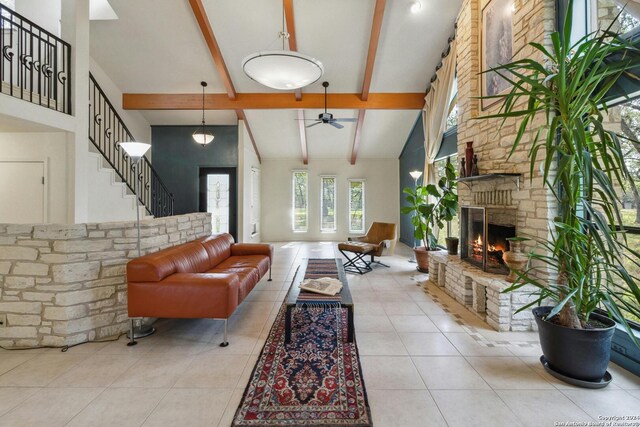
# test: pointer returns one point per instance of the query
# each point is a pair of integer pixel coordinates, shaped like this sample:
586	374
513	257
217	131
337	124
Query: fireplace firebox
483	236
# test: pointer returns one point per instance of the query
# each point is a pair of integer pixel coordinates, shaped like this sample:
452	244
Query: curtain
435	112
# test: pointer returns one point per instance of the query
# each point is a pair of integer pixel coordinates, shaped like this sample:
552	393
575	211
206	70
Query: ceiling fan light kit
202	136
282	70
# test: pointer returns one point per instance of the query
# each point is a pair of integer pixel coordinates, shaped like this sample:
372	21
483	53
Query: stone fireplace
483	236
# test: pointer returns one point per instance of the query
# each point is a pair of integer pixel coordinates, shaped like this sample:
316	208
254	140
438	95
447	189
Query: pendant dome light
282	69
201	135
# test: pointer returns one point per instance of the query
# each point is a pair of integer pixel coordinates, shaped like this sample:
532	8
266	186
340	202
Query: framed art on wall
496	46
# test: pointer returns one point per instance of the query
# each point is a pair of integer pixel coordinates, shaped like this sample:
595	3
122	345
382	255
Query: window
328	204
300	201
452	117
608	11
255	201
625	119
356	206
453	227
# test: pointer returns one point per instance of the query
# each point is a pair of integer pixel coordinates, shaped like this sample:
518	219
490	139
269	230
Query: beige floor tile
213	371
446	323
508	373
604	402
120	407
172	345
428	344
360	297
402	309
413	324
380	344
431	308
50	407
369	308
143	346
390	373
99	370
449	372
468	346
525	350
373	323
239	343
469	408
154	371
537	408
394	296
232	407
41	370
10	397
623	378
190	407
404	408
10	361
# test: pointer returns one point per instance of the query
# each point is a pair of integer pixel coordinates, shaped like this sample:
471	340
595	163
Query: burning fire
477	245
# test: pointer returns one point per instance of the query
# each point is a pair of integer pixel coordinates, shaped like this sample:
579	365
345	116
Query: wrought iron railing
106	130
35	64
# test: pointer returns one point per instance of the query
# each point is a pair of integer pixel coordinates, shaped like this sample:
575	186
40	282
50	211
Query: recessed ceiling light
416	6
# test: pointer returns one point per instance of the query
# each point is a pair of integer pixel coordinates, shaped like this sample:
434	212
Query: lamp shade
415	175
282	70
202	137
135	150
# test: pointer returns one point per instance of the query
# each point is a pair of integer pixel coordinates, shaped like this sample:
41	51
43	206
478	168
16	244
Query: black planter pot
582	354
452	245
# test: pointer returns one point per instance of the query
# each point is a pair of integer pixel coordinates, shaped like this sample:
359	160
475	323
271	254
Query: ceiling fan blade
317	123
336	125
345	120
309	120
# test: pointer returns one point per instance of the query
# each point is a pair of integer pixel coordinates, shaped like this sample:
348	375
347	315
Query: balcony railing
106	130
35	64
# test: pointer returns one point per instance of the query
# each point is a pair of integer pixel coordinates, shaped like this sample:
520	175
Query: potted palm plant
582	164
430	206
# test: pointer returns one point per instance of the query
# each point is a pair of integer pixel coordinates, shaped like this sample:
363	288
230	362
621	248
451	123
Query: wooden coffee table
292	298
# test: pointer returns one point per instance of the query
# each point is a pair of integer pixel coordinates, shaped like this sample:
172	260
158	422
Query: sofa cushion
218	248
248	277
259	262
189	258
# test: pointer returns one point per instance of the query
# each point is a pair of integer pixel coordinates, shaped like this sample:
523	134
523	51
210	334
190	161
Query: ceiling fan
325	117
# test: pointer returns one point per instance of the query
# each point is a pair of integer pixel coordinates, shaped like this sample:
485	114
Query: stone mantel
481	292
65	284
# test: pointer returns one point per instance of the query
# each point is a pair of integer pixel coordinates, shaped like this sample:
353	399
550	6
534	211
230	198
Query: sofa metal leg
269	273
132	340
225	343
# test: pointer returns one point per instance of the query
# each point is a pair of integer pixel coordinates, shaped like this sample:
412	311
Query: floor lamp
416	176
135	151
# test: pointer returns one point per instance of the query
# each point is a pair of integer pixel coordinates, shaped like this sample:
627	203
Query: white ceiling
157	47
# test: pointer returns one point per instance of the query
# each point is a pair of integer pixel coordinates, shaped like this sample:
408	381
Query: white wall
51	146
381	195
45	13
247	160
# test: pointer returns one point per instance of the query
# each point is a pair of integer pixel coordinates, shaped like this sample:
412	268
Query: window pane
300	206
218	202
328	204
609	11
625	119
356	206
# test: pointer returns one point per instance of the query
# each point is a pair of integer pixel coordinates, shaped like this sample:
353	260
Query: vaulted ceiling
366	46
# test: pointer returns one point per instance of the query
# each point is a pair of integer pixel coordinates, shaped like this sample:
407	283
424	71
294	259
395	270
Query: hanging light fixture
282	69
201	135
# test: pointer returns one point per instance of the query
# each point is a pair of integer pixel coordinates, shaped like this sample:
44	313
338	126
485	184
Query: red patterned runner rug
316	380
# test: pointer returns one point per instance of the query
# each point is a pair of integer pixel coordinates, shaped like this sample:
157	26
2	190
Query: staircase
106	130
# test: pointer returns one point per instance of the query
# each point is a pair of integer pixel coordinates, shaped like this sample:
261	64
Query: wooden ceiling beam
291	29
357	137
243	117
261	101
303	137
376	26
209	38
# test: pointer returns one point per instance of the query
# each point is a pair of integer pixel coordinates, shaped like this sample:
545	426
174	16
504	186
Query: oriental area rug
315	380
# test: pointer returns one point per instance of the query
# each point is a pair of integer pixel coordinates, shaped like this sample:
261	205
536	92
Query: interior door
22	192
218	195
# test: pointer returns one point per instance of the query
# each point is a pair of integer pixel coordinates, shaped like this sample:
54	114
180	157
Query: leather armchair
381	234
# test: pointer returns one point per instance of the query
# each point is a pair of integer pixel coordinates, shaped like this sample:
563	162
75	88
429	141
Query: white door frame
45	171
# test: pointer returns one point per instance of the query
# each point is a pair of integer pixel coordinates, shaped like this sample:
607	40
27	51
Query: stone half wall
66	284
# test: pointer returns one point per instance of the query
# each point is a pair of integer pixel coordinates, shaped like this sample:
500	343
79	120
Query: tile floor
426	362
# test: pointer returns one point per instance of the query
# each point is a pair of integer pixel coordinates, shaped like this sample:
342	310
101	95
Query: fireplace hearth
484	234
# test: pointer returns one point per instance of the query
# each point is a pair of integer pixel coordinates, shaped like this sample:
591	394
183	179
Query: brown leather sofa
205	278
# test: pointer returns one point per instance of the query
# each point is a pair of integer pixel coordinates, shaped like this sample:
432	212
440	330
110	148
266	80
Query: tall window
300	201
328	204
356	206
